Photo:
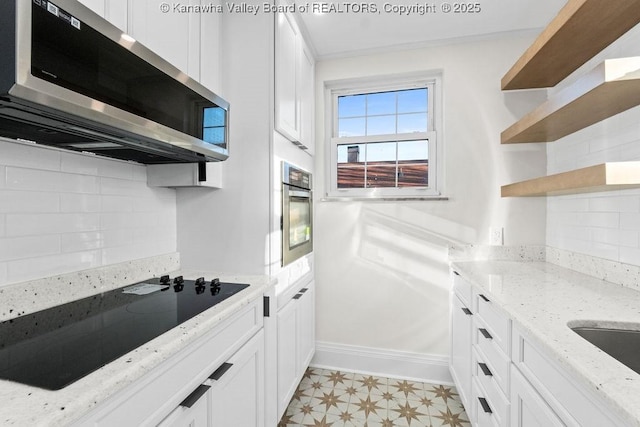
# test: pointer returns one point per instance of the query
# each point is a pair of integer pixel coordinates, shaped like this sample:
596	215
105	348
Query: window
383	139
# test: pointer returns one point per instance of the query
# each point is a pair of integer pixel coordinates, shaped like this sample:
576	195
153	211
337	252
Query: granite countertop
542	298
22	405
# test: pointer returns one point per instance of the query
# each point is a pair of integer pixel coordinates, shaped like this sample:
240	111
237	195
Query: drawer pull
220	371
466	311
484	298
456	273
297	296
485	333
485	369
195	396
485	405
303	290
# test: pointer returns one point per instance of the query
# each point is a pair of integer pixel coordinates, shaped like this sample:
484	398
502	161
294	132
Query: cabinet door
528	409
286	62
461	324
287	353
114	11
307	98
172	35
237	397
306	329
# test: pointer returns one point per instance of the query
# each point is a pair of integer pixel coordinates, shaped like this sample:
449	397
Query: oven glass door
297	224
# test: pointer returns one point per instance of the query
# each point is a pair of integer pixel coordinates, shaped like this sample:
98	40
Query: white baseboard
381	362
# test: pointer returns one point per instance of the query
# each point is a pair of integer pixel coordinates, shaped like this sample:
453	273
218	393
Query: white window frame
431	80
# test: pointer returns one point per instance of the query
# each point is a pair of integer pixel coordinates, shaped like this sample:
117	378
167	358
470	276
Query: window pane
413	150
381	175
412	101
351	106
409	123
381	125
381	103
381	152
351	166
413	163
351	127
350	153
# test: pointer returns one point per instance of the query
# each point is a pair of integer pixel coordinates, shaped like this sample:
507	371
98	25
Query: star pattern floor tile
326	398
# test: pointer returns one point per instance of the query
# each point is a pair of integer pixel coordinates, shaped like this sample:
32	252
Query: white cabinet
296	342
294	84
157	396
287	51
174	36
461	323
114	11
528	409
513	382
237	395
233	394
306	103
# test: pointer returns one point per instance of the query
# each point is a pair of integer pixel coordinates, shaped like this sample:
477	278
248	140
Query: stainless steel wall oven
297	213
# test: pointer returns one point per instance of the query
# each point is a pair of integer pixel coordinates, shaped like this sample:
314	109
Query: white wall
381	268
607	224
62	211
228	229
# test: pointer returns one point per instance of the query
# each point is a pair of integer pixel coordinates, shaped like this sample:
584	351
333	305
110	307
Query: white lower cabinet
296	342
237	395
513	382
528	409
460	360
181	392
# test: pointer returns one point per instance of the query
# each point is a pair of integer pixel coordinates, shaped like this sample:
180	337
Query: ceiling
349	30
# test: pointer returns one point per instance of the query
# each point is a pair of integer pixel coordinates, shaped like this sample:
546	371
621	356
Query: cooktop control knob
200	285
178	284
215	286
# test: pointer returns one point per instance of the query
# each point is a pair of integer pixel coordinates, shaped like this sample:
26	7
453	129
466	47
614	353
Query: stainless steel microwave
297	213
71	79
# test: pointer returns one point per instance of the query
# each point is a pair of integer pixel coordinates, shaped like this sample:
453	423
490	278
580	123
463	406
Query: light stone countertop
542	298
22	405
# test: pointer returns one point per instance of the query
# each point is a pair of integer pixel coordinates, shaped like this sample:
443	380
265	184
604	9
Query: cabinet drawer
496	322
483	411
491	375
462	288
492	354
573	405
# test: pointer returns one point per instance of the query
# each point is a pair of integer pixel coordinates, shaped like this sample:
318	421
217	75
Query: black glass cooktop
55	347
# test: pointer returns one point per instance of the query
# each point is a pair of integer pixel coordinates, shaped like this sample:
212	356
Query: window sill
383	199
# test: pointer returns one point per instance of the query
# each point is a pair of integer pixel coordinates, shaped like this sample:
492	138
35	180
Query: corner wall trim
382	362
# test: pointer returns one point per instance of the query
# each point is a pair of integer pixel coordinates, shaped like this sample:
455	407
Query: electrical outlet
496	236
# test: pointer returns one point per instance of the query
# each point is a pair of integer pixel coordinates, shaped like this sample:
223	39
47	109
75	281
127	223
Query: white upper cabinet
173	36
294	96
114	11
287	57
307	98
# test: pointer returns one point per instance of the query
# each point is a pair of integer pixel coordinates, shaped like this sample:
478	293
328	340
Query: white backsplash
62	212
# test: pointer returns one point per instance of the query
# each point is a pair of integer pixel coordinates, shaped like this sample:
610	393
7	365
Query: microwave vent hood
70	79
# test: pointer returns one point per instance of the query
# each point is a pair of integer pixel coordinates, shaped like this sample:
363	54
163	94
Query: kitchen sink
621	344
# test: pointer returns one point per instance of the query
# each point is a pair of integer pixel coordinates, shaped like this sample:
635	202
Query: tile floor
344	399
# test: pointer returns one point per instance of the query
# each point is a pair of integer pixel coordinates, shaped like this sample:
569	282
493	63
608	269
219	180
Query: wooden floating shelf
603	177
610	88
581	29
